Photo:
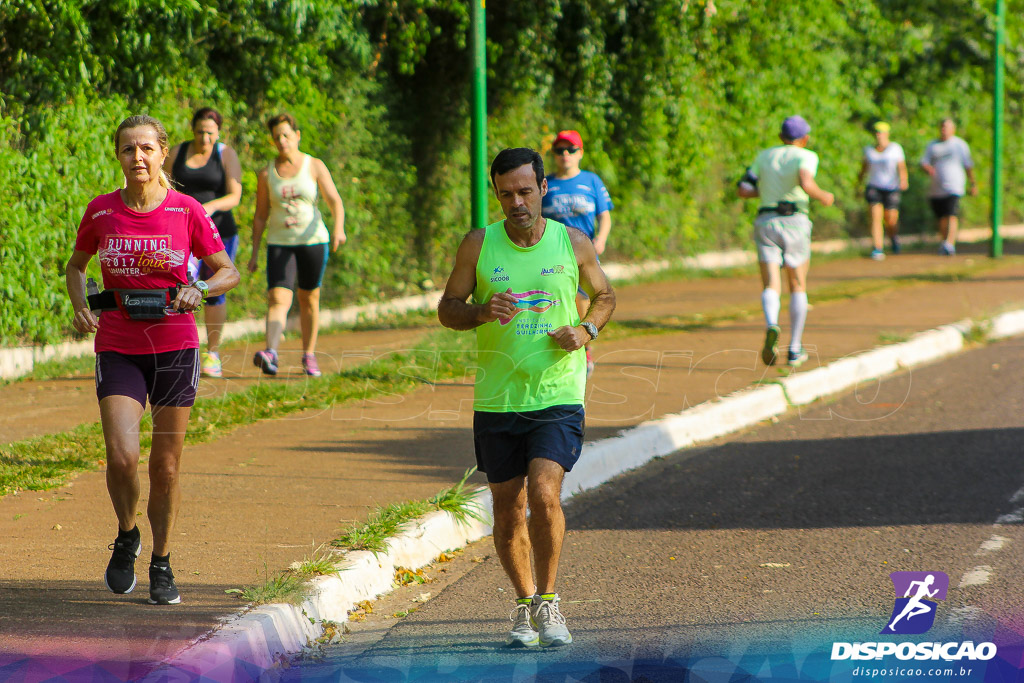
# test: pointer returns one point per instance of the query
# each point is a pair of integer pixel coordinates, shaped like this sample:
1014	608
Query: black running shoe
162	590
120	574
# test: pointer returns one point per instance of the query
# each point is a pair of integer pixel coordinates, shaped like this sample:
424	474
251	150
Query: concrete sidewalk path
267	494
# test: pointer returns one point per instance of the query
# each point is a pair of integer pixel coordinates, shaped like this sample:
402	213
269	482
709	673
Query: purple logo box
940	581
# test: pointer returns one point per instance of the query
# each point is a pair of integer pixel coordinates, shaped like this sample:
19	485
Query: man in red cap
579	199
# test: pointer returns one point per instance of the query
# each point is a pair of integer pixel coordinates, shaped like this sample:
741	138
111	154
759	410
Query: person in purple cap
579	199
783	178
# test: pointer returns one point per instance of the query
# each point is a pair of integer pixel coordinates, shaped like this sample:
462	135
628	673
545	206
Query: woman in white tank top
287	192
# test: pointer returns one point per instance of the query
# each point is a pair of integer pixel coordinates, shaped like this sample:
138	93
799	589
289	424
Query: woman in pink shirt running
147	345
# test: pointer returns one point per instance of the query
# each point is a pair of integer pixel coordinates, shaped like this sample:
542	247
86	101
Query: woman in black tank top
209	172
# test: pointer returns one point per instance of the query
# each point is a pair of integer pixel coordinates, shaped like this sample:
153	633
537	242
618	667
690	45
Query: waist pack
785	208
137	304
780	209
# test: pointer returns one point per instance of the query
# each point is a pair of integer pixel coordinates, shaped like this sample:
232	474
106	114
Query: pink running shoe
309	365
266	361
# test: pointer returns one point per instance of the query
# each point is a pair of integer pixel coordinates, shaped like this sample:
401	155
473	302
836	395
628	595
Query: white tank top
294	218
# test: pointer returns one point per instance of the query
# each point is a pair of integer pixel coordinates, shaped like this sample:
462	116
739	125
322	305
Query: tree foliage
673	98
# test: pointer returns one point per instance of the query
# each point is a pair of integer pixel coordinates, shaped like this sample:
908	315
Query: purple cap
795	127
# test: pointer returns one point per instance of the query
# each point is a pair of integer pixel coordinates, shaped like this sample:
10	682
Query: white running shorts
783	239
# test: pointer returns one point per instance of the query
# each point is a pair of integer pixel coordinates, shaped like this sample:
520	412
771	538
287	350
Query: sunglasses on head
563	150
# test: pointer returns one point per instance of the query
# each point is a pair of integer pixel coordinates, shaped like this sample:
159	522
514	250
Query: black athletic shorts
169	378
889	199
505	443
945	206
305	264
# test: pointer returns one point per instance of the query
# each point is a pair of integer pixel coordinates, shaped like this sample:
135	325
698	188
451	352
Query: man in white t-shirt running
783	178
948	161
885	165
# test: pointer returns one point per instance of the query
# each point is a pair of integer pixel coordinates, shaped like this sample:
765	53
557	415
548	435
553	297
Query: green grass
978	333
381	524
85	365
322	562
459	501
47	461
679	272
289	586
57	369
385	522
373	535
851	289
286	587
893	337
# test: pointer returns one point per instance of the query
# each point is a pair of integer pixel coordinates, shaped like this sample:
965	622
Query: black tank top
205	184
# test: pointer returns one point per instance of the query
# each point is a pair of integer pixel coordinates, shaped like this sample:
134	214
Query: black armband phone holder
748	179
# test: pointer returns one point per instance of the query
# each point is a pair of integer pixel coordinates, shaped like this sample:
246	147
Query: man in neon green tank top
522	274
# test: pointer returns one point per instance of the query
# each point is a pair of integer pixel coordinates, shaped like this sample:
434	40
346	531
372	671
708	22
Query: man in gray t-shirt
948	162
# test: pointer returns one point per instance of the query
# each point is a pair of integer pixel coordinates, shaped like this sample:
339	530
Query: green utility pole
999	51
478	124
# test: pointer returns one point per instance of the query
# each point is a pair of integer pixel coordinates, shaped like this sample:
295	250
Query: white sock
770	304
797	318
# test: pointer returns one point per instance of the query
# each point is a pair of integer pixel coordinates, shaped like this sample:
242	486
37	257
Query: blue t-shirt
576	201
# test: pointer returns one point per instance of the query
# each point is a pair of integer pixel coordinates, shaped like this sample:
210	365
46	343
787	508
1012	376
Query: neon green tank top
521	367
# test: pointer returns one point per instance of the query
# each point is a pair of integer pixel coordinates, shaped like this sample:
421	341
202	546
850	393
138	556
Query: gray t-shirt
950	158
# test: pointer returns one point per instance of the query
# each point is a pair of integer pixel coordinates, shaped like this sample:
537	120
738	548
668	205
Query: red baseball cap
570	136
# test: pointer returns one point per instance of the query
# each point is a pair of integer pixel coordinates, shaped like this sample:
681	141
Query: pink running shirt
146	251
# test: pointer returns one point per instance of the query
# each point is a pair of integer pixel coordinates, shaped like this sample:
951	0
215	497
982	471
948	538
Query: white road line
992	545
964	615
981	575
976	577
1015	517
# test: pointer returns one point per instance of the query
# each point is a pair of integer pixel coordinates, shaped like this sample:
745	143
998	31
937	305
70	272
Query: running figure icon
915	606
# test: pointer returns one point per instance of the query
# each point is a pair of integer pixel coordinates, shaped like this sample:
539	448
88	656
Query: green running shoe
770	350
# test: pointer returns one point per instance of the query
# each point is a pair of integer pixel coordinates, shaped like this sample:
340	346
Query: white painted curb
602	460
929	346
805	387
1007	325
254	641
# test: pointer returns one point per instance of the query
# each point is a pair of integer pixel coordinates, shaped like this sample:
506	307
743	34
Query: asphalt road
748	558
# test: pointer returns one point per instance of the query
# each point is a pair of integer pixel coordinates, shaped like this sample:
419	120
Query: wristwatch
591	329
202	287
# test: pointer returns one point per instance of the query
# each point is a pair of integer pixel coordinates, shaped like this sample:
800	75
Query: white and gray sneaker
549	622
522	634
